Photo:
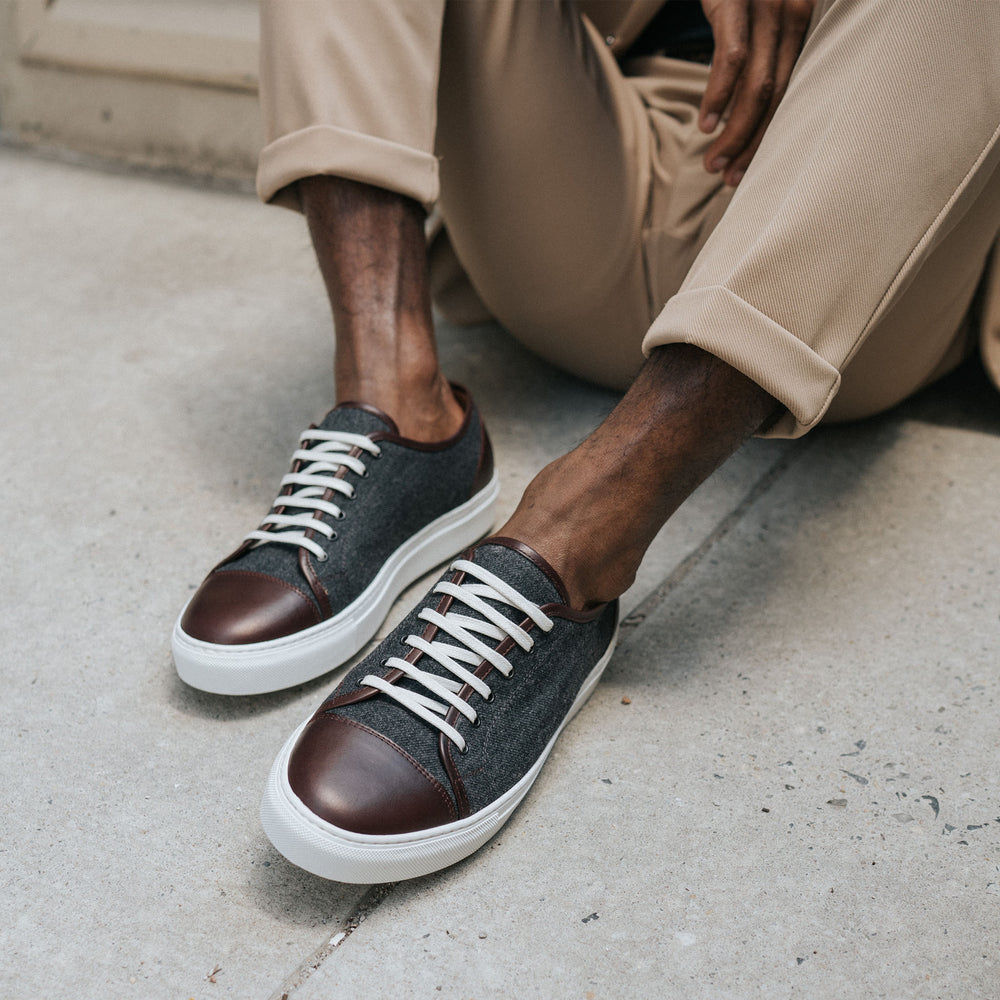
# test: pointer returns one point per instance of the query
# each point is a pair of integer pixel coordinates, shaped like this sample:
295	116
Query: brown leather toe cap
235	606
357	780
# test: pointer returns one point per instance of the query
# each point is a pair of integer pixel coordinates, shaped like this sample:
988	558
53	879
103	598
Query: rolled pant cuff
723	324
327	149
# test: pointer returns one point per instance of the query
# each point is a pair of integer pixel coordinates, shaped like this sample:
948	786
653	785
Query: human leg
378	761
304	593
593	512
555	241
361	174
372	253
359	165
296	599
403	459
875	338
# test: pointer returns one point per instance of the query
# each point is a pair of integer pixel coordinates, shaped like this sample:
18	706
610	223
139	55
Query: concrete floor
785	785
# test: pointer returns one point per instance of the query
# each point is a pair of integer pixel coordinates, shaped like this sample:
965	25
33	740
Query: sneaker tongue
517	570
354	421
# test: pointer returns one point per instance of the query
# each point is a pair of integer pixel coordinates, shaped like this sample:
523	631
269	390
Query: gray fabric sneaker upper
363	513
425	776
404	487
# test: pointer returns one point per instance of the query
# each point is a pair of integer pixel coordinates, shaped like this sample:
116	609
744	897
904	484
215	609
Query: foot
363	513
430	743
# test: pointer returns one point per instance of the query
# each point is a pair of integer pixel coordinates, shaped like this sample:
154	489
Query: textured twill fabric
868	211
405	489
572	184
528	706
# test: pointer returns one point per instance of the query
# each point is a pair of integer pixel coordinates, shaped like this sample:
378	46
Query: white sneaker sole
330	852
259	667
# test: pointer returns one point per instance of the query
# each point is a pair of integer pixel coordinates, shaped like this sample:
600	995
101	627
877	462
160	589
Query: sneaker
363	513
430	743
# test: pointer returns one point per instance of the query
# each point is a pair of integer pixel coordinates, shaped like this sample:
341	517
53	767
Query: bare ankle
372	252
559	517
422	409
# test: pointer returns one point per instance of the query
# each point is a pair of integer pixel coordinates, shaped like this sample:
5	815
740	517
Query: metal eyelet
364	475
490	698
333	535
323	557
476	722
463	750
341	515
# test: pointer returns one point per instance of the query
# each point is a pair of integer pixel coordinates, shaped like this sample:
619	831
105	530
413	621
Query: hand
756	45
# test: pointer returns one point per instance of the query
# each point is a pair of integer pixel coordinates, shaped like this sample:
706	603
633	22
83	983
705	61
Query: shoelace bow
327	455
471	650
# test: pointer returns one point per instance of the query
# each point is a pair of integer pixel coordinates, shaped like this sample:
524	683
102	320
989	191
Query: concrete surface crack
368	903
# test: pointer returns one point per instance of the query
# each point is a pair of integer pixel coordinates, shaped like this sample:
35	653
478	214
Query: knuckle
734	55
764	92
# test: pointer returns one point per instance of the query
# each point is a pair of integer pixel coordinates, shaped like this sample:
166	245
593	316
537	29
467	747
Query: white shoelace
471	650
328	454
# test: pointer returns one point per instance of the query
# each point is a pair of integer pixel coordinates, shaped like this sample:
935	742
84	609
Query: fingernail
719	163
736	176
709	122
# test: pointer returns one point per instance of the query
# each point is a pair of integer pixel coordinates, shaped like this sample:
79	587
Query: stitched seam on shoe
444	744
434	783
319	590
320	595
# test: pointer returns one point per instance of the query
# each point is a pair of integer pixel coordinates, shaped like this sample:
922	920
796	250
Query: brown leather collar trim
464	398
581	617
484	469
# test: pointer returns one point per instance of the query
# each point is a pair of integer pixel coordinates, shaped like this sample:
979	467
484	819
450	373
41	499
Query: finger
795	18
796	15
738	167
755	90
731	35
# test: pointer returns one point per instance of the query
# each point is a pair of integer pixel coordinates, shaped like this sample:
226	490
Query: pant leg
349	89
549	161
854	243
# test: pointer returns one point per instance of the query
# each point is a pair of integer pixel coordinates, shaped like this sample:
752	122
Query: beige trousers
840	274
